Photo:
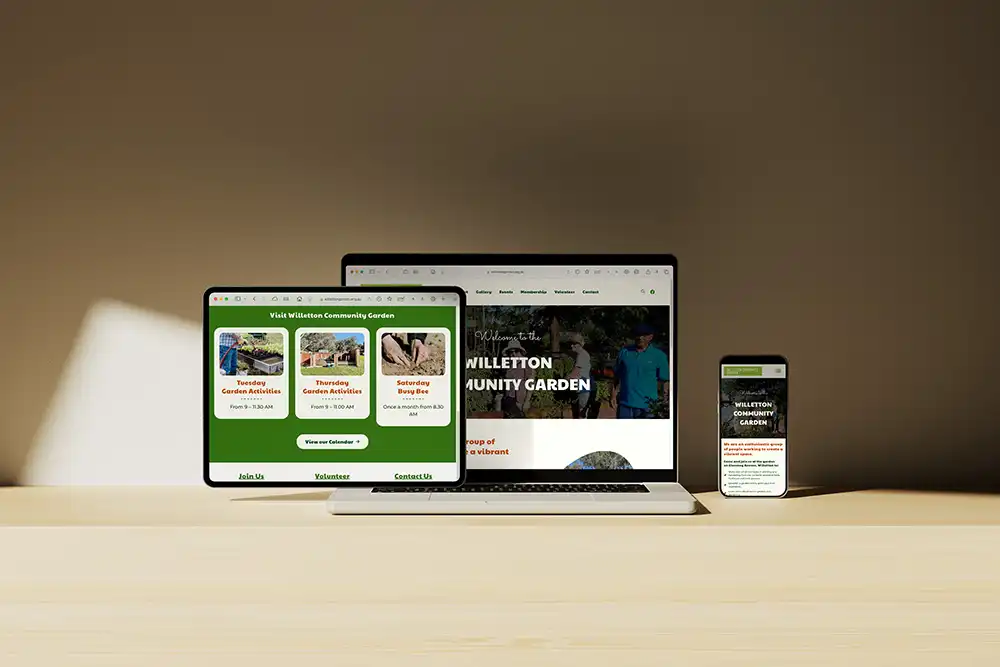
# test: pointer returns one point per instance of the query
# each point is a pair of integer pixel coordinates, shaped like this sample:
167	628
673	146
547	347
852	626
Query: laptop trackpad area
497	498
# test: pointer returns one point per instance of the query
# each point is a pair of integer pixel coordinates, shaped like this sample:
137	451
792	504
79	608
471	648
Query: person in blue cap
639	370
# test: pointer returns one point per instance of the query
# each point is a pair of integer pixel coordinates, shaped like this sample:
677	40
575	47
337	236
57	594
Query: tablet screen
337	387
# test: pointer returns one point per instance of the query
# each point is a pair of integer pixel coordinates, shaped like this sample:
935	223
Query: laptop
571	384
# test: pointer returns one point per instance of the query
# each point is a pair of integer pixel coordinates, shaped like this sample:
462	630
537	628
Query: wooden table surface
198	576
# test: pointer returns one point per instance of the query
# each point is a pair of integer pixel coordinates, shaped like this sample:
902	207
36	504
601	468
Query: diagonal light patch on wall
127	410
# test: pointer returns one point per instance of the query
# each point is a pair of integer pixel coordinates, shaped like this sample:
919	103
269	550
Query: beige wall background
826	173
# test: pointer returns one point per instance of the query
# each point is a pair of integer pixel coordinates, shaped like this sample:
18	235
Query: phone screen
753	427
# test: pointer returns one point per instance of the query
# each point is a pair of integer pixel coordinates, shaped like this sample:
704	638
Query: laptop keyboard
518	488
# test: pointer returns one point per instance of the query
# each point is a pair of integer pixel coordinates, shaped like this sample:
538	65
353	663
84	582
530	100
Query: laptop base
665	498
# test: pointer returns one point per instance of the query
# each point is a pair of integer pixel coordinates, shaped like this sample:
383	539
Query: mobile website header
753	371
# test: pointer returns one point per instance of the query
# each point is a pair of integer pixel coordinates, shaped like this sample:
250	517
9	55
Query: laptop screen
568	367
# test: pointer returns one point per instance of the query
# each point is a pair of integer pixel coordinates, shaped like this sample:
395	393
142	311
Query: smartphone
753	426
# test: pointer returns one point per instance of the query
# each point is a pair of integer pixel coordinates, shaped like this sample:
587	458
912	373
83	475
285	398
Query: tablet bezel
208	395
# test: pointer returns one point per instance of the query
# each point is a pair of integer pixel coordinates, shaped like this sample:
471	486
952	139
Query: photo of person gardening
568	362
251	353
410	353
332	353
753	408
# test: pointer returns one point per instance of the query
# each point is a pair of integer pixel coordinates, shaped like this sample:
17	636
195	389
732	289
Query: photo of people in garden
332	353
413	353
753	408
242	353
622	350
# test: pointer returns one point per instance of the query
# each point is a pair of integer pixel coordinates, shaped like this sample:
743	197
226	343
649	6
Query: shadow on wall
127	411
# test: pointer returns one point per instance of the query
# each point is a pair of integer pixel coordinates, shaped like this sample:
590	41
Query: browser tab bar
526	285
327	299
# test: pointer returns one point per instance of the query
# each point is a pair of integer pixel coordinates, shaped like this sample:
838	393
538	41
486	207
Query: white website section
332	473
753	467
553	444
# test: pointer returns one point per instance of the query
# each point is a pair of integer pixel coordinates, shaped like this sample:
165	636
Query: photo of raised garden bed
332	353
249	353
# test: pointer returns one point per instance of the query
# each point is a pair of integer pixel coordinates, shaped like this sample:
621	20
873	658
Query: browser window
333	387
566	367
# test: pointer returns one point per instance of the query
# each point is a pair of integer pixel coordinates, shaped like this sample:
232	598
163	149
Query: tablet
334	386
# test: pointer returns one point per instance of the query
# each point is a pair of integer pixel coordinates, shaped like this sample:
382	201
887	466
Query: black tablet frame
208	363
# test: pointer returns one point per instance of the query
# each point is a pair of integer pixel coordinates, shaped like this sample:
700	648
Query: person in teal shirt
639	370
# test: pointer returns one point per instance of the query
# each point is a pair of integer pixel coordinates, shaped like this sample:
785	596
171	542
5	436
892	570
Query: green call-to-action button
743	370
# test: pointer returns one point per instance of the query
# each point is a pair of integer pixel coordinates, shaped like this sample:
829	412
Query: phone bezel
749	360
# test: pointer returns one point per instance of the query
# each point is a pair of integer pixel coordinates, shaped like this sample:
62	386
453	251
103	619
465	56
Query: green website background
273	440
